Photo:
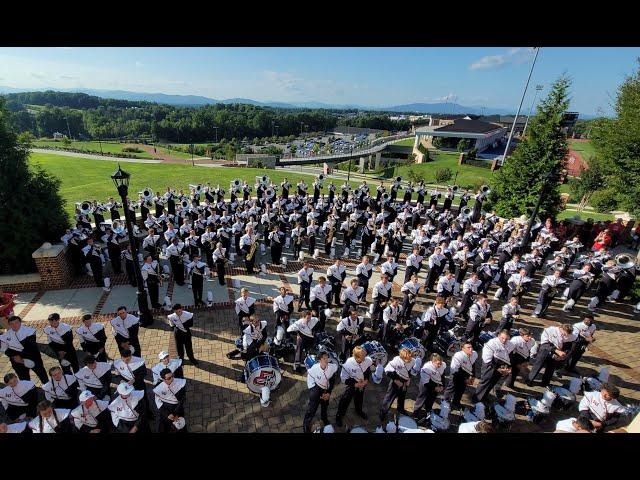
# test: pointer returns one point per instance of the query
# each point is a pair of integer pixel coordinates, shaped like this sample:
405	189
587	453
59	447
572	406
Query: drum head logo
267	378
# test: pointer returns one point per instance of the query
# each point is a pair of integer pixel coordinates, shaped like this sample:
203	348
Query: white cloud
284	81
446	98
511	56
37	75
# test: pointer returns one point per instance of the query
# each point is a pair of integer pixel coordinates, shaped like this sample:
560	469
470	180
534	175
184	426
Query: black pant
183	342
220	269
489	377
249	264
276	253
131	274
196	287
345	400
544	359
393	392
154	291
23	372
303	343
115	256
472	331
319	307
516	367
407	307
426	397
96	269
70	355
177	268
133	340
336	286
456	387
305	291
312	408
575	354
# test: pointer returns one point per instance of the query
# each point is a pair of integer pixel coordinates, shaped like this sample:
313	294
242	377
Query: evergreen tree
518	183
617	145
31	209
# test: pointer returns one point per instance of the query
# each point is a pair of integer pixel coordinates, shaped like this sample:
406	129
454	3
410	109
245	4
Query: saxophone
330	234
252	251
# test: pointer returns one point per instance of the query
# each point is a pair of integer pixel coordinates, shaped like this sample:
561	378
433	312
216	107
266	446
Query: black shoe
229	356
339	421
363	415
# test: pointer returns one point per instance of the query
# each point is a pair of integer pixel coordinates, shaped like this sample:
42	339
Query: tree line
86	116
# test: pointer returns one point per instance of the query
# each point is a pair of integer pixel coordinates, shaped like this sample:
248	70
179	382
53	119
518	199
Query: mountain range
197	100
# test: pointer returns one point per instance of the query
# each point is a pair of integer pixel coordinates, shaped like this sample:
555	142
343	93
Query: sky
486	76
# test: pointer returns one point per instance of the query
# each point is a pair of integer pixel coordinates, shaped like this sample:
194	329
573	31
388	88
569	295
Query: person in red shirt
6	306
602	240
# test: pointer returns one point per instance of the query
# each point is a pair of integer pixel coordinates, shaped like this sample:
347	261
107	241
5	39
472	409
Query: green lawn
107	147
174	153
89	179
468	176
407	142
583	148
585	214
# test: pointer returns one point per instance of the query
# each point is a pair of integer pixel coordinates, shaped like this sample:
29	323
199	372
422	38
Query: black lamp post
121	180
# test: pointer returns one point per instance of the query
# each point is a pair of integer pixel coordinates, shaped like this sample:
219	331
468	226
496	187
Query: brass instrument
624	261
519	289
332	230
252	250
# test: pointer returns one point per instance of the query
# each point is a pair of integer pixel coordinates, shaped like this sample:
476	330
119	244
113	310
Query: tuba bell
357	193
270	193
385	197
147	193
184	204
485	189
466	211
455	188
398	179
624	261
321	177
197	188
86	208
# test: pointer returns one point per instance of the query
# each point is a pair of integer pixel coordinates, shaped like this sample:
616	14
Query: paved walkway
217	402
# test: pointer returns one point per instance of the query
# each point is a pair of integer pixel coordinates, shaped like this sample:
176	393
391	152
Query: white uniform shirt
495	348
303	327
252	334
173	365
11	339
380	289
56	390
91	378
121	326
355	370
447	284
462	361
13	396
552	335
521	347
89	334
336	271
414	260
320	293
468	427
124	409
178	321
167	393
305	275
49	424
429	373
471	285
364	269
399	366
582	330
388	268
282	303
390	313
566	425
350	325
126	370
411	287
317	376
598	406
55	334
243	304
82	415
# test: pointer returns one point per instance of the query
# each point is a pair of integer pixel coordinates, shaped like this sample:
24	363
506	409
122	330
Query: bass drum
310	359
446	344
376	351
263	371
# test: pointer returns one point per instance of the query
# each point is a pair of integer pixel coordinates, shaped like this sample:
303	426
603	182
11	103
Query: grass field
583	148
107	147
90	179
174	153
407	142
467	175
585	214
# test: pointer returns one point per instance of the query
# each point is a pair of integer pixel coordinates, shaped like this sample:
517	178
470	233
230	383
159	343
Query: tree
519	182
32	210
443	175
463	144
617	145
591	179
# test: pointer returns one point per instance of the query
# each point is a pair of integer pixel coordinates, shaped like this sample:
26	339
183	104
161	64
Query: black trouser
472	331
364	283
350	392
408	273
131	274
276	252
177	268
319	307
100	392
376	317
347	307
312	408
466	303
432	334
506	323
115	256
303	343
544	359
460	274
70	355
347	346
23	372
426	397
249	264
296	248
327	246
336	286
432	277
578	348
576	290
183	342
456	387
133	340
544	299
241	316
154	290
305	291
96	269
70	403
407	308
220	269
196	287
393	392
516	362
489	377
312	244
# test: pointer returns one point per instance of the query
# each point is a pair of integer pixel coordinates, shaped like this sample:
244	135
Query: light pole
121	180
538	89
513	127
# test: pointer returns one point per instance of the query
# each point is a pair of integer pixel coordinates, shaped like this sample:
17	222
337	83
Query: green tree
591	179
24	194
617	145
518	183
463	144
443	175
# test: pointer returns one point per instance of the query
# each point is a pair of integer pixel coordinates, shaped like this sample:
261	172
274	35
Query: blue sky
490	77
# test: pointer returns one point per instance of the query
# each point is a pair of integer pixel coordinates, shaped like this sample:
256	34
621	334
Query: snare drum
376	351
484	337
413	344
447	344
405	423
310	359
261	371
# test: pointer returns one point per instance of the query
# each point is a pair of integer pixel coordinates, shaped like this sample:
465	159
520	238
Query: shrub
443	175
132	150
604	200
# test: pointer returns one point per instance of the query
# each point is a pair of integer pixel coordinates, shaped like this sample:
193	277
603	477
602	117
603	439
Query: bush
133	150
443	175
414	177
604	200
472	154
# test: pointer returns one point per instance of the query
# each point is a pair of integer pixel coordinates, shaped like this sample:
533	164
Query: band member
131	369
548	292
470	288
283	308
275	238
320	382
351	329
173	364
602	408
127	255
584	333
355	374
220	259
248	244
399	372
390	268
520	354
245	307
198	270
151	244
336	274
391	328
92	338
519	284
351	297
446	285
62	389
435	318
125	330
550	352
481	426
254	339
574	425
170	396
582	280
94	258
19	398
510	312
380	295
174	251
431	384
606	286
436	264
460	374
305	277
91	416
364	271
306	328
19	344
320	299
60	339
410	291
479	315
49	419
181	322
129	410
95	377
496	364
151	278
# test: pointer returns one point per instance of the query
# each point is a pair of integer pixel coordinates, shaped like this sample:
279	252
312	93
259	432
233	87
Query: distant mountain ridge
197	100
